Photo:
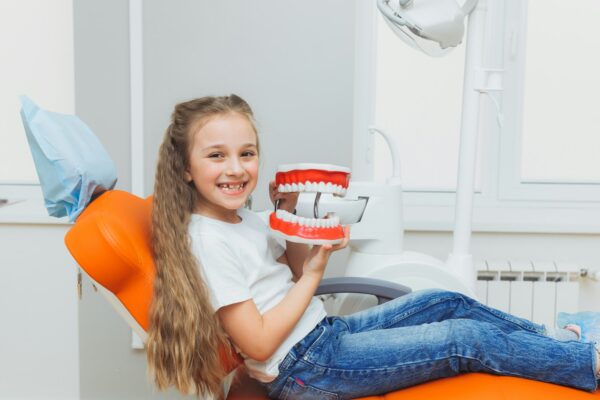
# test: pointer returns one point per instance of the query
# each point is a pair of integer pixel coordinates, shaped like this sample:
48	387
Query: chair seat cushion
473	386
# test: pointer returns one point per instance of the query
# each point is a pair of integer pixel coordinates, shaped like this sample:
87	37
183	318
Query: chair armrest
383	290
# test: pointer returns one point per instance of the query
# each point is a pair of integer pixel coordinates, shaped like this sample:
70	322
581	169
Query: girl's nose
234	167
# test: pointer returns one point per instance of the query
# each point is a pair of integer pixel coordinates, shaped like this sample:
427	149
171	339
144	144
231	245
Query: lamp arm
389	13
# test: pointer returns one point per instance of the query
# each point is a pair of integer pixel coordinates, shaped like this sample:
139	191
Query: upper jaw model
319	178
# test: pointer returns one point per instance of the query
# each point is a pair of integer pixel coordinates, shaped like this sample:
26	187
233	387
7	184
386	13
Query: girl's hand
317	258
287	201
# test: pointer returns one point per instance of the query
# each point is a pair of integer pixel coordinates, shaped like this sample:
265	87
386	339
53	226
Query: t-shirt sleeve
221	269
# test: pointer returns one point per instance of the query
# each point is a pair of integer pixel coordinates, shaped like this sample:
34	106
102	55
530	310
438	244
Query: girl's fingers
321	250
316	249
344	242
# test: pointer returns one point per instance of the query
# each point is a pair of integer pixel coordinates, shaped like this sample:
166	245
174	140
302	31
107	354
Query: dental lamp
431	26
375	210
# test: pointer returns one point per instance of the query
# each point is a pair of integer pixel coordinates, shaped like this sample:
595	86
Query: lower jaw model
319	178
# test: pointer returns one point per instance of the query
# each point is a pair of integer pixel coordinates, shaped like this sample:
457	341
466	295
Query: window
36	44
418	101
553	125
538	171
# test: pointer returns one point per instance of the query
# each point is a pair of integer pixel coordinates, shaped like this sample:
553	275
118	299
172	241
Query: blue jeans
425	335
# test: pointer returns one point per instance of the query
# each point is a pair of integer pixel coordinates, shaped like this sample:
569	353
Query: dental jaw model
307	178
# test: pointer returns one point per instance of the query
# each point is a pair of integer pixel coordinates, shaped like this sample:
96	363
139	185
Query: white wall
292	61
39	341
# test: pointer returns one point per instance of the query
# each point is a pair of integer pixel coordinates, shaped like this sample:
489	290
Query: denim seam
431	303
380	369
503	373
595	355
453	355
400	317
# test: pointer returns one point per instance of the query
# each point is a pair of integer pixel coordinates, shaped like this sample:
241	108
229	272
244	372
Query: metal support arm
383	290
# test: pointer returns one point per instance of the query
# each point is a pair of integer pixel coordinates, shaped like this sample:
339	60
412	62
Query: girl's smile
232	189
223	165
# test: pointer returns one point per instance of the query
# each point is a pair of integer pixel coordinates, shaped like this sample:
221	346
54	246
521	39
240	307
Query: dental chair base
416	270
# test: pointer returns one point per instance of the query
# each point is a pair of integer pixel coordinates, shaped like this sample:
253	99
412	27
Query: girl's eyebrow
220	146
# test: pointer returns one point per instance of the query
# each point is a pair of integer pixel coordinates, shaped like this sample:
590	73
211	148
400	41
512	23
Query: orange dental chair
111	242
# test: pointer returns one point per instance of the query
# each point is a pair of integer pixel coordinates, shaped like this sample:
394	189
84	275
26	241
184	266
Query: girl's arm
294	256
258	336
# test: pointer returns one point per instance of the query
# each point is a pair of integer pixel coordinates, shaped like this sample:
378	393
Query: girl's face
223	165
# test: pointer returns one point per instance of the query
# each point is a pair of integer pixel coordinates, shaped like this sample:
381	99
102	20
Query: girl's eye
248	154
215	155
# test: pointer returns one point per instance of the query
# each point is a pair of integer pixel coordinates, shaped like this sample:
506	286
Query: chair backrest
111	242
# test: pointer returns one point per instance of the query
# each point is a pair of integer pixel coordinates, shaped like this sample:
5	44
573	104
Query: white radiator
532	290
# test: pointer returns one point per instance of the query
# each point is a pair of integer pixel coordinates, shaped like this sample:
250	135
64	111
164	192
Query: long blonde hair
185	337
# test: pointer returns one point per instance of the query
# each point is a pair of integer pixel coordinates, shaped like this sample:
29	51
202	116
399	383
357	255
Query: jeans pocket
296	389
307	346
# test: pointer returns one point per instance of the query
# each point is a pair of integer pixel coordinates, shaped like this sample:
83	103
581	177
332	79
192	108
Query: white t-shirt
238	262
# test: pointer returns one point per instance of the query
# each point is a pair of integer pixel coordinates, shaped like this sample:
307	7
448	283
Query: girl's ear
187	176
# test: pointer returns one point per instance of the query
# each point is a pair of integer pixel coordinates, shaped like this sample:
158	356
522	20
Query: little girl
222	278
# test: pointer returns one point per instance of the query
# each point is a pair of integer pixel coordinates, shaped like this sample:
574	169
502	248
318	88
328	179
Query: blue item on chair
70	161
588	321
